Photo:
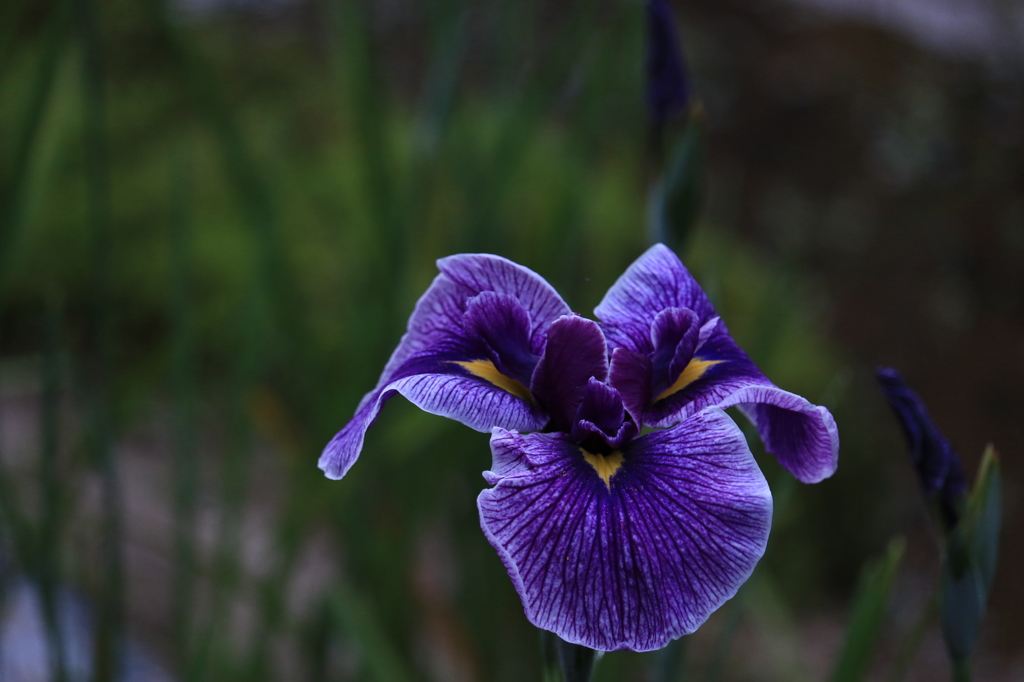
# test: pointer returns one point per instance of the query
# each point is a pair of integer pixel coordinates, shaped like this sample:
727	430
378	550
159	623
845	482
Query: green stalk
50	494
255	195
363	91
186	464
723	646
210	656
110	624
577	662
911	644
961	670
669	664
12	197
10	14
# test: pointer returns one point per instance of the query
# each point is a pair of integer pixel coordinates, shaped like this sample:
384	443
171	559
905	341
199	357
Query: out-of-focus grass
252	303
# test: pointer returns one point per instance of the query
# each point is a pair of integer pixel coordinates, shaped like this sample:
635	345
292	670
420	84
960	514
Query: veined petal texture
576	352
641	558
445	364
801	435
464	399
437	318
656	281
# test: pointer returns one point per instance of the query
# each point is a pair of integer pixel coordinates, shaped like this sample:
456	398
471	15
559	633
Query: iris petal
501	325
630	375
475	403
802	436
575	352
424	367
641	559
473	273
655	282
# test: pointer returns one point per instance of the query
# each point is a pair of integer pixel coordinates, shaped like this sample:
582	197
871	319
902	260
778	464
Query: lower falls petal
642	558
802	436
472	400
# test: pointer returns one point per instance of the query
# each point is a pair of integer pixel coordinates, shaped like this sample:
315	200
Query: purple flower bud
668	85
938	466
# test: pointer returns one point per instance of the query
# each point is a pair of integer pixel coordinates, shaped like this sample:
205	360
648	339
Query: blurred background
216	215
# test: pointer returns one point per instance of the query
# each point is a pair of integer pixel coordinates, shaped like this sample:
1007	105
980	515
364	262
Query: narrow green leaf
12	195
970	564
186	463
109	645
985	510
868	615
50	489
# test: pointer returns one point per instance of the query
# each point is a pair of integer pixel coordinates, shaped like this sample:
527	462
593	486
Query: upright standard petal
575	352
640	313
466	353
656	281
636	548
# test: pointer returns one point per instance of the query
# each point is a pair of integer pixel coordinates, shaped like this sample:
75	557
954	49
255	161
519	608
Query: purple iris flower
938	466
613	539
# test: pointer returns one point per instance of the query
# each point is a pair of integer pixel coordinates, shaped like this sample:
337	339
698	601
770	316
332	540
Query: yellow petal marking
604	465
694	370
486	370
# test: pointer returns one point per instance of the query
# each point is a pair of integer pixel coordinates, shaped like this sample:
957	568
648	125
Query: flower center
605	465
694	370
486	370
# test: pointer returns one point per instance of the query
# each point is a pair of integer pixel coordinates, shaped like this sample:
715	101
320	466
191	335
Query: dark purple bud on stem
938	466
668	85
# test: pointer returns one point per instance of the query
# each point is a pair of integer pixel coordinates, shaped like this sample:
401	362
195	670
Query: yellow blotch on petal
694	370
604	465
486	370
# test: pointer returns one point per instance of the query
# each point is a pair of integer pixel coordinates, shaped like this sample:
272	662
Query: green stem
50	491
186	464
575	662
961	670
912	643
110	628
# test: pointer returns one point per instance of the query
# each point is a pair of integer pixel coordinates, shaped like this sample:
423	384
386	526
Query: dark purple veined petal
630	550
501	326
476	316
600	423
801	435
656	281
674	336
466	399
439	313
478	272
575	352
630	375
